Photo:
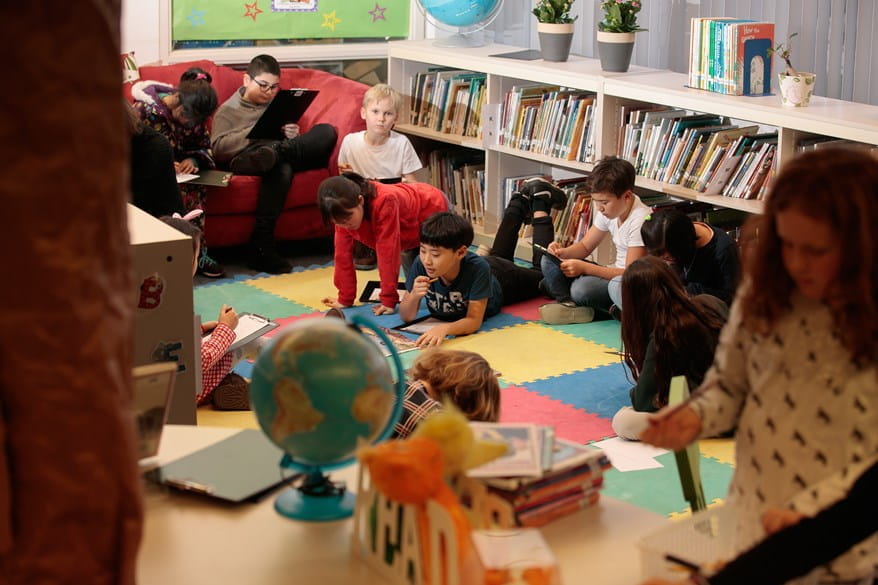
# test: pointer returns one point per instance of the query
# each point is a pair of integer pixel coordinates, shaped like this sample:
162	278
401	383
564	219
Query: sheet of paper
421	326
630	455
184	177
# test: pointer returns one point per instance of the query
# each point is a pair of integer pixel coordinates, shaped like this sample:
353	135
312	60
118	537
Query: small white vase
555	40
796	90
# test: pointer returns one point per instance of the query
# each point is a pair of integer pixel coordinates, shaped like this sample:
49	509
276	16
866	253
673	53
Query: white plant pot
555	40
796	90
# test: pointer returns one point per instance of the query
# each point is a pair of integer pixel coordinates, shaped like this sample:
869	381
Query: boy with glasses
275	161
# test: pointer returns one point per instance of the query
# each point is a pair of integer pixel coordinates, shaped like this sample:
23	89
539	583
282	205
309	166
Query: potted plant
555	28
795	87
615	33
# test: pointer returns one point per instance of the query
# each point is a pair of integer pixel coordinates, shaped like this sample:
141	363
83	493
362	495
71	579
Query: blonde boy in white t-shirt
581	286
378	152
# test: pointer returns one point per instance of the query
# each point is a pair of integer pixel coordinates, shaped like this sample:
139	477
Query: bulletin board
289	19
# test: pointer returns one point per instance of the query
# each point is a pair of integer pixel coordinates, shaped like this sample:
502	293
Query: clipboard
240	468
372	290
250	326
546	252
286	107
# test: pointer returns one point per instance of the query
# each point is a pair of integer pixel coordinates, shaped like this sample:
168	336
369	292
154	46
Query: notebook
153	385
286	108
242	467
250	326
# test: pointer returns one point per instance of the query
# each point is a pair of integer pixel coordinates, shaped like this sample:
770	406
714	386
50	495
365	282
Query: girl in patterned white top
795	369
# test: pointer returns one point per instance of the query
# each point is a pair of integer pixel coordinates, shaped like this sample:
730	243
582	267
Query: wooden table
192	539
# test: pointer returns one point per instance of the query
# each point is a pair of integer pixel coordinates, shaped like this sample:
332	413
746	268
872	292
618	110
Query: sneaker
268	260
209	267
233	393
483	250
564	314
364	257
539	187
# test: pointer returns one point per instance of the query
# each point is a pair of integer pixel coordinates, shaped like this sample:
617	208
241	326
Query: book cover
525	446
752	63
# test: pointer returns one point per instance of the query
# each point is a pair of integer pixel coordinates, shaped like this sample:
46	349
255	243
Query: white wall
140	29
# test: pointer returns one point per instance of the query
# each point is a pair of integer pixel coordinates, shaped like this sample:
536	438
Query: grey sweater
232	122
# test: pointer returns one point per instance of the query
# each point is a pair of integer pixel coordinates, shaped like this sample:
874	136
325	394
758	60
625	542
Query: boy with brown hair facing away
378	153
581	286
463	377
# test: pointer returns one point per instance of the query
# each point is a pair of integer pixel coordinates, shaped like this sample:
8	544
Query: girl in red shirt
386	218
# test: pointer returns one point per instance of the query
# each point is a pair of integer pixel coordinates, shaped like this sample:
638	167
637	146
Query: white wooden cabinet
824	116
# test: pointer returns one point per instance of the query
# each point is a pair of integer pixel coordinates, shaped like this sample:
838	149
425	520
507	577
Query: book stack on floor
542	478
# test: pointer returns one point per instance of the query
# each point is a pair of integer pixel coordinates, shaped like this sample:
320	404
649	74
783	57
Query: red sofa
229	210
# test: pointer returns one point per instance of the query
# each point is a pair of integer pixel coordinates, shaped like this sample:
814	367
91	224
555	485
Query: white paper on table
630	455
183	177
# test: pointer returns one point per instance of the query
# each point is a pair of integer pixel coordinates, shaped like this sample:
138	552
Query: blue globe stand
318	498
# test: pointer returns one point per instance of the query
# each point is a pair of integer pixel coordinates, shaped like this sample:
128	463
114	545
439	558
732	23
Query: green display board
289	19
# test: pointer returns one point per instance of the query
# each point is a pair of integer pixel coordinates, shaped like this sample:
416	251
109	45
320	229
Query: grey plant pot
615	50
555	40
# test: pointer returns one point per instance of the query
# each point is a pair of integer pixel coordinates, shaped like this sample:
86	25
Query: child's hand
672	431
209	326
228	317
657	581
555	249
776	519
345	168
186	165
420	286
333	302
572	268
382	310
290	130
434	337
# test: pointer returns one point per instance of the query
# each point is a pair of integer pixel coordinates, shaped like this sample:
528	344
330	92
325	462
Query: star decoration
252	10
330	20
378	13
196	17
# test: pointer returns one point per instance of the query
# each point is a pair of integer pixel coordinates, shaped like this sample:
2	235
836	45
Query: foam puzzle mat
567	376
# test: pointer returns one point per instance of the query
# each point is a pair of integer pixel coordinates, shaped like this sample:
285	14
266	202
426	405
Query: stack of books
460	174
548	120
542	478
448	101
731	56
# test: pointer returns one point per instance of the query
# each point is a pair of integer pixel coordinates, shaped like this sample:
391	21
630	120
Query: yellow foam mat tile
530	351
723	450
238	419
306	288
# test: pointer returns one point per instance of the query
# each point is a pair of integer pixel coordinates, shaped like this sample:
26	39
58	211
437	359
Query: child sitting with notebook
219	385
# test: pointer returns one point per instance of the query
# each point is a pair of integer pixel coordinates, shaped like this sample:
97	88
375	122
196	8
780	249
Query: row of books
460	174
702	152
448	100
548	120
542	478
730	56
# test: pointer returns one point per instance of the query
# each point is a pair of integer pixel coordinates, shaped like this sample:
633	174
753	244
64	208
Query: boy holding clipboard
276	155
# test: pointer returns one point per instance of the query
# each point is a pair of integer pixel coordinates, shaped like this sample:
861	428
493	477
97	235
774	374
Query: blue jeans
585	291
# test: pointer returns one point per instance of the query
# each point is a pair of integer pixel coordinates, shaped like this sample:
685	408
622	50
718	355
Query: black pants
310	150
517	282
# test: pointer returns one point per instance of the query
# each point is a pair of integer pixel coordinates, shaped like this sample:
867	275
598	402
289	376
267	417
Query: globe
319	389
462	16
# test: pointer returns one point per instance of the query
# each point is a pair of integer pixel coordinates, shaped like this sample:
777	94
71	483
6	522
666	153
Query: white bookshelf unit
824	117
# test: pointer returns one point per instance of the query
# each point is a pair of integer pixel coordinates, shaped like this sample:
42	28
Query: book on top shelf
752	63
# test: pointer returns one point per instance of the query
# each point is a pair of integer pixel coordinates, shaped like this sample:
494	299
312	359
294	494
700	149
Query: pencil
434	279
693	568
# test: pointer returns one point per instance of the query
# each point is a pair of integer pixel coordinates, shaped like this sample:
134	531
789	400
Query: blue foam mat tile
244	368
601	391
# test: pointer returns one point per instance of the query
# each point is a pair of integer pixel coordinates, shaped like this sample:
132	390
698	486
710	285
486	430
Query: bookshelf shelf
825	117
